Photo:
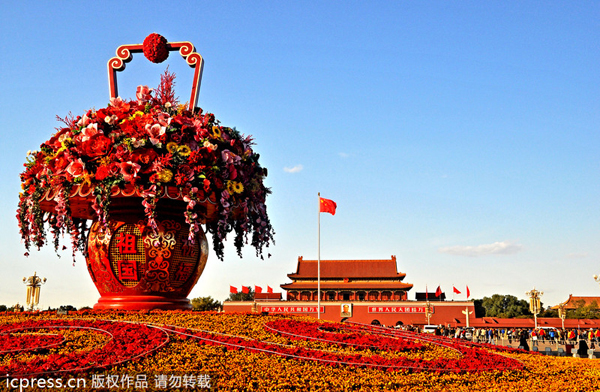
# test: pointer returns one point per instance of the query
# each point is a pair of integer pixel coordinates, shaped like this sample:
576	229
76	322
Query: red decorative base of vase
142	302
137	268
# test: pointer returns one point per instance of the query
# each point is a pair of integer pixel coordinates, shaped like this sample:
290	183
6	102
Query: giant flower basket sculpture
147	173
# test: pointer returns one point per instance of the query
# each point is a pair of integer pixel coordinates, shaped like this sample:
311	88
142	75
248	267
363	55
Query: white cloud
294	169
343	155
497	248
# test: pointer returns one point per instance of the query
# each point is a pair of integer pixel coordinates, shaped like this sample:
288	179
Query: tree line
509	306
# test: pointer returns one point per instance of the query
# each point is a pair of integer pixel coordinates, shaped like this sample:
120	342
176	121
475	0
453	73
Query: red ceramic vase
134	267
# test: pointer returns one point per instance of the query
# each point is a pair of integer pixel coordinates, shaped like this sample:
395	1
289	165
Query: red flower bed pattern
132	340
257	352
128	341
11	342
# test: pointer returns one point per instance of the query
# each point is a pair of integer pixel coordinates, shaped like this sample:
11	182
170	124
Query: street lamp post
562	313
34	284
534	303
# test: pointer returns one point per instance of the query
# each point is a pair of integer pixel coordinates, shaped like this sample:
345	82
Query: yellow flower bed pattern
187	350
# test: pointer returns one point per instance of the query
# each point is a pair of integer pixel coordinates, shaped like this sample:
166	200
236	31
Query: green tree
505	306
583	311
203	304
479	309
548	312
249	296
2	308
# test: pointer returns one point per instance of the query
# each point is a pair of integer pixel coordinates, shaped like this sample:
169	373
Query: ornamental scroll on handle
186	50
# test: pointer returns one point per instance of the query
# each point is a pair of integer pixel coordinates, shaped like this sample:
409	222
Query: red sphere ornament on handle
156	49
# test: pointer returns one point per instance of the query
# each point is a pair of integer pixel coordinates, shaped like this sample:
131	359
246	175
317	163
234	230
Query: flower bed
127	342
258	352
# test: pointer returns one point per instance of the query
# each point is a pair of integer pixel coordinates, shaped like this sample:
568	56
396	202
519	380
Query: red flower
76	168
102	172
129	170
96	146
155	48
59	163
144	156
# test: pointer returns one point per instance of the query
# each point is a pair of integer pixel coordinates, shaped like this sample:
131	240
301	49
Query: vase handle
187	51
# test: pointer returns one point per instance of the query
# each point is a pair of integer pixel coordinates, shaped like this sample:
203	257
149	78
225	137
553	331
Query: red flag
438	291
455	290
245	289
269	290
257	289
233	290
468	292
326	205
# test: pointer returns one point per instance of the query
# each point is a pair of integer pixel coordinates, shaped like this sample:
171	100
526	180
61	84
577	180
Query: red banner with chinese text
291	309
396	309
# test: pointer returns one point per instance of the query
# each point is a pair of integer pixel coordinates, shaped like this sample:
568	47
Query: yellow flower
134	115
137	114
172	147
87	179
184	150
230	188
234	187
238	187
165	175
216	131
104	161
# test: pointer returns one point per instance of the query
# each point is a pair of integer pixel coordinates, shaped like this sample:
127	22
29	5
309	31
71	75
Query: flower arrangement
152	144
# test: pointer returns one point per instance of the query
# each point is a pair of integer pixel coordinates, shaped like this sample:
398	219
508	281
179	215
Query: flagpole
319	257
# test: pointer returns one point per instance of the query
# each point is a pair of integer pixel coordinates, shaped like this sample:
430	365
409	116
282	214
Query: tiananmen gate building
348	280
364	291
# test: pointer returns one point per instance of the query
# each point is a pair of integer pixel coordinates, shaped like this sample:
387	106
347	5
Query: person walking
523	341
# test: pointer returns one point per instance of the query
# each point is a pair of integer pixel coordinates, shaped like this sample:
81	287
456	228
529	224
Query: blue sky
461	137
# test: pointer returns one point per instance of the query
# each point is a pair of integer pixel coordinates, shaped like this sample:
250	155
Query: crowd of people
525	338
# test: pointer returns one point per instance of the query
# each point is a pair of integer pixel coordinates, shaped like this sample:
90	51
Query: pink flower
83	121
111	120
88	132
163	119
129	170
227	156
155	131
143	94
116	102
76	168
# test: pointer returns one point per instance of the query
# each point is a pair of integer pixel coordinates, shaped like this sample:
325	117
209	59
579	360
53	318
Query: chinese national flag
269	290
233	290
326	205
257	289
468	292
455	290
438	291
245	289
